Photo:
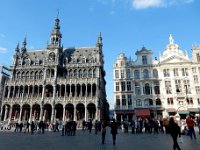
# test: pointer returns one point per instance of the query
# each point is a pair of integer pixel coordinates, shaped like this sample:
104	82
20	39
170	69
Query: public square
85	141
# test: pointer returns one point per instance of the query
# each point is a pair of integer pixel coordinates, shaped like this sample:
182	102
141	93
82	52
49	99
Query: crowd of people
140	125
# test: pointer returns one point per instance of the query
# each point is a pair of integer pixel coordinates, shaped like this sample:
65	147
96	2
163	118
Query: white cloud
3	50
142	4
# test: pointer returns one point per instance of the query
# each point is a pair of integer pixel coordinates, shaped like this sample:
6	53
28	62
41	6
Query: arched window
136	74
158	101
145	73
147	89
90	73
138	102
84	73
94	73
155	73
80	73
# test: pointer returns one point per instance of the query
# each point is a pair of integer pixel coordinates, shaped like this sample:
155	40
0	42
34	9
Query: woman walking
174	130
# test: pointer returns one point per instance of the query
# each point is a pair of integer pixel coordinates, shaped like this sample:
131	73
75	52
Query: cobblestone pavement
85	141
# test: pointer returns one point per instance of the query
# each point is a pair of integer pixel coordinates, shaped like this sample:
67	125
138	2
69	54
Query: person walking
103	132
190	123
32	127
174	130
113	130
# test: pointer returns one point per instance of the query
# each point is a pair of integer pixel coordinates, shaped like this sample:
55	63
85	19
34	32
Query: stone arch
69	114
83	89
25	112
80	111
91	108
15	112
89	89
5	112
94	89
49	90
36	112
47	112
59	111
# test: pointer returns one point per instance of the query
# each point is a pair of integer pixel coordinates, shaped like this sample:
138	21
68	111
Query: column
53	114
41	112
10	115
30	116
20	114
6	112
64	112
23	92
8	92
75	115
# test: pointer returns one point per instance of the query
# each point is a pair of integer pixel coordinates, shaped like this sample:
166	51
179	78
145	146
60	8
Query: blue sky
126	25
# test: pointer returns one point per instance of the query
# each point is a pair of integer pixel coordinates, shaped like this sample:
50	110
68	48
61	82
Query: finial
99	40
58	13
23	49
17	47
171	39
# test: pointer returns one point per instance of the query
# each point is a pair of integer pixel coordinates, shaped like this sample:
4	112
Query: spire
99	40
23	49
55	37
17	48
171	39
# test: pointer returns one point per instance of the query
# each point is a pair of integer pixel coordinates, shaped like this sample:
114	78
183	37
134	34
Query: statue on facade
171	39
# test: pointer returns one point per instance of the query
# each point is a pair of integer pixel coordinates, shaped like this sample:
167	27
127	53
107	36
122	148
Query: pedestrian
198	123
103	132
32	127
90	126
175	131
113	130
190	123
96	124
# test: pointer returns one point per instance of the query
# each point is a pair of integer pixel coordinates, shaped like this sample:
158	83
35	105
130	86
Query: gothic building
56	83
157	88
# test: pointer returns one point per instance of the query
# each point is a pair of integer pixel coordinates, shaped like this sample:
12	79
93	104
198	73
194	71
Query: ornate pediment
175	59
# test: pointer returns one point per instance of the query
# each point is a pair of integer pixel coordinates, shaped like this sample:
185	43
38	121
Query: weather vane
58	12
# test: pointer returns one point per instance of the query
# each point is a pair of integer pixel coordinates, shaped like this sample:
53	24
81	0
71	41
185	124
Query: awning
125	112
183	112
171	110
193	110
142	112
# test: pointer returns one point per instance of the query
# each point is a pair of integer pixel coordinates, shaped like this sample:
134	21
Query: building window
123	87
155	73
197	89
166	73
158	101
198	100
175	70
144	60
123	100
198	57
137	88
145	74
184	71
136	74
118	100
146	102
116	74
194	70
117	86
138	102
122	74
168	87
178	86
128	85
196	80
129	99
150	102
170	101
187	86
128	74
147	89
156	87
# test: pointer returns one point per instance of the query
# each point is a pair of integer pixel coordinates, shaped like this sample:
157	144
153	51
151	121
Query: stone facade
56	83
4	75
157	88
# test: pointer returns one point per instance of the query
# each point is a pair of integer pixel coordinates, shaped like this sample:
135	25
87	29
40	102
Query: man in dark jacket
113	130
174	130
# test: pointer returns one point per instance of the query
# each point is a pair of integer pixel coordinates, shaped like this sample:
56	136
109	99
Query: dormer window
144	60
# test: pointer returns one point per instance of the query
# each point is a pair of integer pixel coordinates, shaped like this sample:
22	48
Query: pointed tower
55	37
23	49
99	41
17	48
